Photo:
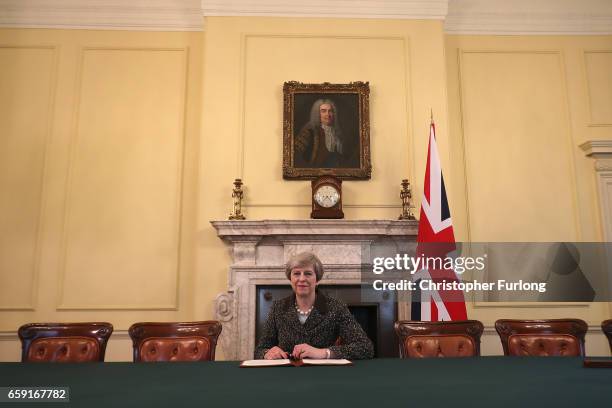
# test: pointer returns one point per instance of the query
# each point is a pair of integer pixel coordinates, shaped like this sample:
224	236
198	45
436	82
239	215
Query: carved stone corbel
225	312
603	165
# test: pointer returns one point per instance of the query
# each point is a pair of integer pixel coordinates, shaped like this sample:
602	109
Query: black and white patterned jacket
329	320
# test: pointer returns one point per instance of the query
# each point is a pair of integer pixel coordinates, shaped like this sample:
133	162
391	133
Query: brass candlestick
237	194
406	195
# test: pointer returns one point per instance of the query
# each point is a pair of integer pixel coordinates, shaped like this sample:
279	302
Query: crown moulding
395	9
133	15
484	17
528	17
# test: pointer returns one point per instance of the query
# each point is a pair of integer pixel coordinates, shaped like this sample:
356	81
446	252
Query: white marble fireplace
259	250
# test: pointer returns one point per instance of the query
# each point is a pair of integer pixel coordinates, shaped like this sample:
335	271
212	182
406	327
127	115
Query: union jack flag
436	239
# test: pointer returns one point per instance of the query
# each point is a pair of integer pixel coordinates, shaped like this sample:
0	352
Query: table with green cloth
436	382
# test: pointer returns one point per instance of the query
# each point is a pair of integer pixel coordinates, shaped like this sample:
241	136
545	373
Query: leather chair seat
174	341
439	346
439	339
63	350
543	345
64	342
551	337
175	349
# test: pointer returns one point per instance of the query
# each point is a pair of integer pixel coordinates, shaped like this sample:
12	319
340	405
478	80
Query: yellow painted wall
98	177
519	107
118	148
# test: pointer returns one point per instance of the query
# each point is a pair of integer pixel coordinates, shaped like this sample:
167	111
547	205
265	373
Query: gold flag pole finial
431	111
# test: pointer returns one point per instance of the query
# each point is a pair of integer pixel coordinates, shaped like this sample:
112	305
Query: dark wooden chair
175	341
606	326
554	337
64	342
439	339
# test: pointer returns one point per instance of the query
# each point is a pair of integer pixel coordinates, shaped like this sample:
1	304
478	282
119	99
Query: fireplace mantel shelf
253	230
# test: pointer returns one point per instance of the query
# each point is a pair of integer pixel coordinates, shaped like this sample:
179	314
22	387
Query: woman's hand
276	353
307	351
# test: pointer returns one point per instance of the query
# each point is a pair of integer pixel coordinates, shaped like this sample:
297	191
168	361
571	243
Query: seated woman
307	324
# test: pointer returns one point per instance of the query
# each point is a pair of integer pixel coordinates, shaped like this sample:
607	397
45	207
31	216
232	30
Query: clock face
326	196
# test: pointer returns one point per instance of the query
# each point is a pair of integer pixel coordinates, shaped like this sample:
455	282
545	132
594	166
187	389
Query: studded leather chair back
64	342
439	339
186	341
606	326
554	337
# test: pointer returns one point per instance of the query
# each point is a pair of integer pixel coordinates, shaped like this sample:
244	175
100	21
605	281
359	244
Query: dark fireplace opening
375	317
367	317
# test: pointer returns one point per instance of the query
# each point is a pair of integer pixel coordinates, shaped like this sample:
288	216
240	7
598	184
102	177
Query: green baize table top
435	382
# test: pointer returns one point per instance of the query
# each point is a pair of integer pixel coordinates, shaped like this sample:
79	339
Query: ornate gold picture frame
326	130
